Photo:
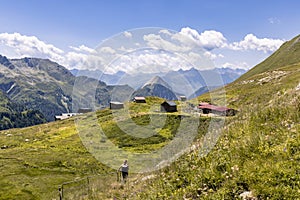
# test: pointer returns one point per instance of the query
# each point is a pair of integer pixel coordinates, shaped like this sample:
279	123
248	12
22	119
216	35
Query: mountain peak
156	87
5	61
157	80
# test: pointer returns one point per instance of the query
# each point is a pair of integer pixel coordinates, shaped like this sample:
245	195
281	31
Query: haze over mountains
184	82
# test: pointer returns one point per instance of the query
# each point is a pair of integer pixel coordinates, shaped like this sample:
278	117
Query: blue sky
61	25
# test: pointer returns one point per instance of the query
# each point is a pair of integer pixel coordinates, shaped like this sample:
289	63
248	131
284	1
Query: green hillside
14	115
37	84
258	151
3	103
265	82
35	161
287	54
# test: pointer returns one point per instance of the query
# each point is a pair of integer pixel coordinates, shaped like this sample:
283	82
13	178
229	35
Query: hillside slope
37	84
46	86
258	153
14	115
287	54
267	80
35	161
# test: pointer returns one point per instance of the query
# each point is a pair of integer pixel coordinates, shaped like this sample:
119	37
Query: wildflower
235	168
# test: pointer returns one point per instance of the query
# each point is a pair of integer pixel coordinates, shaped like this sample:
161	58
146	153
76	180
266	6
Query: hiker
124	169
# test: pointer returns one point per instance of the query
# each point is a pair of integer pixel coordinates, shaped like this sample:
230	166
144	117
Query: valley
255	152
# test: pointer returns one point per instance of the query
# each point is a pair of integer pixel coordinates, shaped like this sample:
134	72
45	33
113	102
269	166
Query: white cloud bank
236	65
251	42
83	48
211	40
30	46
83	57
127	34
208	40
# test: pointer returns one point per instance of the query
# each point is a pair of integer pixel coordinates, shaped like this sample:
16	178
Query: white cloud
18	46
127	34
236	65
193	57
122	49
108	50
251	42
188	45
156	41
213	56
165	31
147	61
30	46
75	60
274	20
83	48
212	39
82	61
208	40
220	55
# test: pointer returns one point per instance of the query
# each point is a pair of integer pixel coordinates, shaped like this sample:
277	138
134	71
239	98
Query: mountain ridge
184	82
44	85
287	54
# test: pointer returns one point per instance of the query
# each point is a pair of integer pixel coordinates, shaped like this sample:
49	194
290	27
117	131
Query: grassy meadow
258	151
35	161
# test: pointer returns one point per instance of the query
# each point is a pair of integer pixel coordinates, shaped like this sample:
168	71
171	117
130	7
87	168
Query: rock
248	195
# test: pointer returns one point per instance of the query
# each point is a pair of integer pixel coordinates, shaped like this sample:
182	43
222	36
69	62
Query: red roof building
219	110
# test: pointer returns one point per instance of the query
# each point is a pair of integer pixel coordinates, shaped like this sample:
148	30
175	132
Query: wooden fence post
60	192
88	186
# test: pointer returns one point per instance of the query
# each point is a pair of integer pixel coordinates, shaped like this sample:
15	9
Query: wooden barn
114	105
139	99
168	106
219	110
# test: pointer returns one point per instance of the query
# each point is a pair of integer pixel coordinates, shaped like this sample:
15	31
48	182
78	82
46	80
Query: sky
232	33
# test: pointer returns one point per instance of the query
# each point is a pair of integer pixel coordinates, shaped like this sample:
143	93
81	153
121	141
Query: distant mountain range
184	82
